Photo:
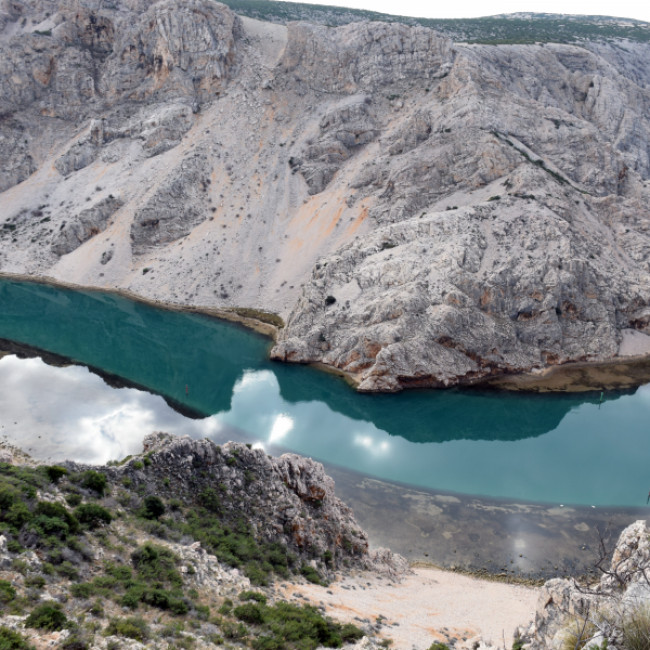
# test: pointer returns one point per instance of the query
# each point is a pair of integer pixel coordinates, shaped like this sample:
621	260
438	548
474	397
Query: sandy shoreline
427	605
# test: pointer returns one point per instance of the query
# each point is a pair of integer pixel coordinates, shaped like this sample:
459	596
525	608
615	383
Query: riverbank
507	539
629	370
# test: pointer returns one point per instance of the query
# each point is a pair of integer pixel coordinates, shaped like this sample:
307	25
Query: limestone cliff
421	212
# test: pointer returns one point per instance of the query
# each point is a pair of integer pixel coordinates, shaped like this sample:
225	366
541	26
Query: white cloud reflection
56	413
281	426
373	445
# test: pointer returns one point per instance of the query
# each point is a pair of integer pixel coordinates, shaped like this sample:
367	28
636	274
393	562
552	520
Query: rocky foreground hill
420	212
179	547
192	545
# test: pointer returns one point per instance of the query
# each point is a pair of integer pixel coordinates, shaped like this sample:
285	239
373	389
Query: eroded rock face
601	612
174	49
364	56
463	294
421	213
289	499
86	224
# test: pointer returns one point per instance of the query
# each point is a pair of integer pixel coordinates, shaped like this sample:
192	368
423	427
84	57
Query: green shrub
311	575
97	609
10	640
251	613
18	515
163	600
14	546
82	590
209	499
55	472
73	499
437	645
253	595
268	643
68	570
131	628
226	607
57	511
47	616
152	507
157	564
93	515
350	633
74	642
35	581
137	464
94	481
7	592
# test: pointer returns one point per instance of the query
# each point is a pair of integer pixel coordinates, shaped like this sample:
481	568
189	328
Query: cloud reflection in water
68	412
56	413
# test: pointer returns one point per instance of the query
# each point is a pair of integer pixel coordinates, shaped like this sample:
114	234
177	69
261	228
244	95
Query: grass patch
258	314
636	628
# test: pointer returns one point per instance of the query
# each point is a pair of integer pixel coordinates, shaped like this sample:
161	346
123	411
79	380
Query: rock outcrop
607	614
287	499
421	213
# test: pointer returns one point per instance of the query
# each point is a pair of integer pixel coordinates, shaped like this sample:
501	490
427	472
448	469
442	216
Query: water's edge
618	373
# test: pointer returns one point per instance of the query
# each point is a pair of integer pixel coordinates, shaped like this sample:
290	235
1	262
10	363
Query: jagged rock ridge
420	212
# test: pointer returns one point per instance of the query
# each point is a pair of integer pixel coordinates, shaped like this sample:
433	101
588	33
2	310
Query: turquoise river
551	448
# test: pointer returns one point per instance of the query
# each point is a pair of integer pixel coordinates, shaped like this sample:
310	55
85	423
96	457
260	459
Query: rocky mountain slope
420	212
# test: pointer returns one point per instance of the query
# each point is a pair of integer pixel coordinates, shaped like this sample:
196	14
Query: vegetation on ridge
502	29
57	524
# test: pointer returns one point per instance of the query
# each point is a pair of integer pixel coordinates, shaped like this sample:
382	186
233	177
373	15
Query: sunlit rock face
421	212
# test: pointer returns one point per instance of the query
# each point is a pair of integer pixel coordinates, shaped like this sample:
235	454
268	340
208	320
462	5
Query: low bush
95	481
93	515
7	592
10	640
47	616
312	575
156	564
131	627
285	625
35	581
55	472
74	642
152	507
253	595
